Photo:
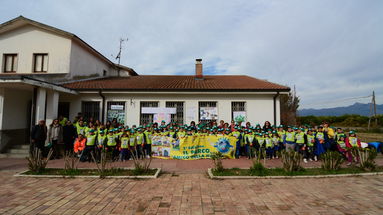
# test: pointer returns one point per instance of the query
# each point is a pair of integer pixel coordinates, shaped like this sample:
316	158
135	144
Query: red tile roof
178	83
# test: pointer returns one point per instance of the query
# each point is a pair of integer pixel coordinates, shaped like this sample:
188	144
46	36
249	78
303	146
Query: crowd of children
124	142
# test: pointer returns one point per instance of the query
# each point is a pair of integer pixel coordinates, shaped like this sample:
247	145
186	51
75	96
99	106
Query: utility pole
118	57
372	111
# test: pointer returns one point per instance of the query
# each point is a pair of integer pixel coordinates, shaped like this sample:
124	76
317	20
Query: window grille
147	118
206	104
237	106
116	110
179	116
90	109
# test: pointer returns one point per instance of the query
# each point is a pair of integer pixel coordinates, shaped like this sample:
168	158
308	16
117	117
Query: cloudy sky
331	50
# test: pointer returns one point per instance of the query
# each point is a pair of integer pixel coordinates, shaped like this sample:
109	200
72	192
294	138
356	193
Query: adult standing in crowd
267	126
55	137
330	144
69	136
38	136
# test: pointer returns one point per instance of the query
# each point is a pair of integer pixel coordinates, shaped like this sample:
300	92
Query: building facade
47	72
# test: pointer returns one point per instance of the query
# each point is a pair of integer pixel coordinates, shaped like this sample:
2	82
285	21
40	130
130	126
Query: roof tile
177	82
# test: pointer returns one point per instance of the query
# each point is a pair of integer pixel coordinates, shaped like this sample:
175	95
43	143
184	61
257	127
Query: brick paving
191	193
185	189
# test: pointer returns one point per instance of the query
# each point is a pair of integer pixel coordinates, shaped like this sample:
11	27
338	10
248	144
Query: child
269	146
308	152
238	136
140	140
282	135
342	148
148	141
132	143
79	145
275	139
300	141
248	139
111	144
124	147
289	141
352	141
181	133
89	146
320	141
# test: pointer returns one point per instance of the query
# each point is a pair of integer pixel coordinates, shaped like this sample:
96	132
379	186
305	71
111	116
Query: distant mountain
357	108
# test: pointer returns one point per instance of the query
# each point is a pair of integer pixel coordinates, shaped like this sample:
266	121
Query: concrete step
21	147
18	151
3	155
17	155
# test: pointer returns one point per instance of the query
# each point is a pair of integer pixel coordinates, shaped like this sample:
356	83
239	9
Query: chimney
198	69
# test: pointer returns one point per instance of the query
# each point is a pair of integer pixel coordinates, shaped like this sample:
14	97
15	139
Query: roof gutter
38	83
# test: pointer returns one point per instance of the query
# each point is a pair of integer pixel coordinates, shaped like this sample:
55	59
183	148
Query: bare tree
289	107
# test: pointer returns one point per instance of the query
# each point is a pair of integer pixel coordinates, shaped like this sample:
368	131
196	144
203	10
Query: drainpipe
103	105
275	107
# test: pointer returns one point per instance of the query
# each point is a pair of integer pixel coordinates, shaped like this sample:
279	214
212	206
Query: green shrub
331	160
257	168
217	157
291	161
36	161
366	157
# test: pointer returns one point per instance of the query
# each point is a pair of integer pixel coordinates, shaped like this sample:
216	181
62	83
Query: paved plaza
185	189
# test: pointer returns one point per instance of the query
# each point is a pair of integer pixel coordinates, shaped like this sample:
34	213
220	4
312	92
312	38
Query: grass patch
370	137
282	172
91	172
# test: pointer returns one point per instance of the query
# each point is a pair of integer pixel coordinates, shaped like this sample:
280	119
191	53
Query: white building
46	72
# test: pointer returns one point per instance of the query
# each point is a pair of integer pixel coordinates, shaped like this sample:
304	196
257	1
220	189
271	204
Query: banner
116	114
159	117
192	147
208	113
239	116
155	110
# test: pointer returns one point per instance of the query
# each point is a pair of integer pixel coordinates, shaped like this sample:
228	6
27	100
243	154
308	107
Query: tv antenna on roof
118	57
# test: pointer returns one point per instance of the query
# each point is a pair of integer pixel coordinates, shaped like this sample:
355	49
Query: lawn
282	172
370	137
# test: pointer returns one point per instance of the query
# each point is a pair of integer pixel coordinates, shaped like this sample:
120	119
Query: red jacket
79	145
348	144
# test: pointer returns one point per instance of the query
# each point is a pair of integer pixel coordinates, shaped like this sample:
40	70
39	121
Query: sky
330	50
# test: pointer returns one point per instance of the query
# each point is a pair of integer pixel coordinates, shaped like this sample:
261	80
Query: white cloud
329	49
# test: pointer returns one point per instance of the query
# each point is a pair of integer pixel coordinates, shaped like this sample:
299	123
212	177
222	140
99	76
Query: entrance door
63	109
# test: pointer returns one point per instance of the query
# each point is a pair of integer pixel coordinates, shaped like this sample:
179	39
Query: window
208	111
179	116
9	62
90	109
116	110
238	111
144	117
40	62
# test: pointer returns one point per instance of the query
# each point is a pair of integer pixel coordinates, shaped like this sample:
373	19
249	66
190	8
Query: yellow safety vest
353	141
91	140
290	136
124	142
300	138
